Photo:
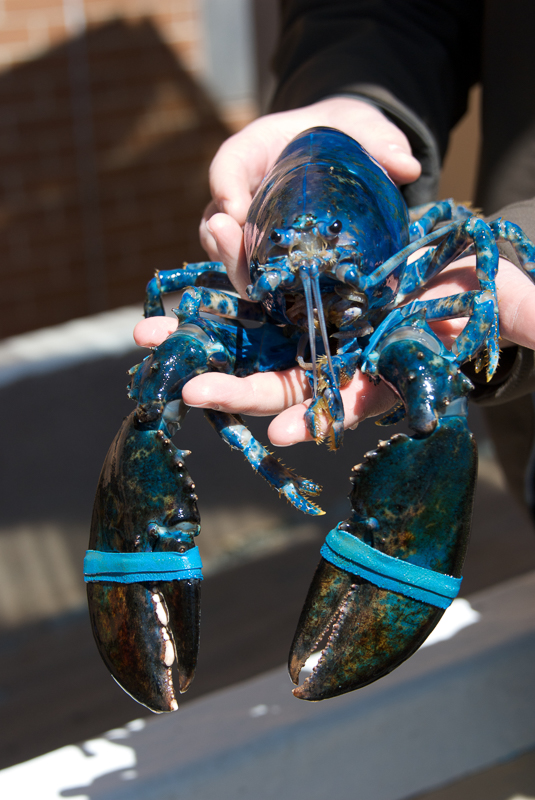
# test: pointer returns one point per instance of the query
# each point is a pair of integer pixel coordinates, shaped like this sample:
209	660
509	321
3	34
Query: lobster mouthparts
148	621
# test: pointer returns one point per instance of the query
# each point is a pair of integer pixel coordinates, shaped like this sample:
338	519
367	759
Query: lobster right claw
388	573
143	570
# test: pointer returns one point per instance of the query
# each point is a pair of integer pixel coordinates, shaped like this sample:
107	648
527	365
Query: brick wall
106	135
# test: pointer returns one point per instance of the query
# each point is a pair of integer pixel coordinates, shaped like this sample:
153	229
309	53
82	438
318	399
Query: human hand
244	159
287	394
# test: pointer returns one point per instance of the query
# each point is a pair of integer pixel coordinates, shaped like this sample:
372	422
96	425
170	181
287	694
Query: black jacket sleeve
424	53
413	59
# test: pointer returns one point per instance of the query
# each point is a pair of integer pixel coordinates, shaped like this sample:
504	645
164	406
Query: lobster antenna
321	318
305	277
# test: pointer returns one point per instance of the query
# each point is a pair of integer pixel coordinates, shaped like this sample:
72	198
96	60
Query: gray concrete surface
54	689
512	780
456	707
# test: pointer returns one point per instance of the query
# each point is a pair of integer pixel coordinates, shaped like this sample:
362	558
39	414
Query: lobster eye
335	227
275	237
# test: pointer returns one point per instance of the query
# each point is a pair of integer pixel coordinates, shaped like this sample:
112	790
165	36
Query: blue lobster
327	239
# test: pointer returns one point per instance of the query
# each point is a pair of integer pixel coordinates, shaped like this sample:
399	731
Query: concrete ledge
454	708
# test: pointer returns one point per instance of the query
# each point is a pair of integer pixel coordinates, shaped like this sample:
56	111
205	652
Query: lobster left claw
143	571
391	569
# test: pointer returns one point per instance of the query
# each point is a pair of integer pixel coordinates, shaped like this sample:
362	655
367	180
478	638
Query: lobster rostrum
328	237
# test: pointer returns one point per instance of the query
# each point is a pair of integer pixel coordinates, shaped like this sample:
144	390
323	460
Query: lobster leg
292	486
206	273
422	224
388	571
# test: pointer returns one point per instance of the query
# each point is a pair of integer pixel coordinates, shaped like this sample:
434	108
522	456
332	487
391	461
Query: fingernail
213	406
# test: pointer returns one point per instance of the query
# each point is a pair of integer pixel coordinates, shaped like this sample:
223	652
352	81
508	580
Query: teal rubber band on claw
355	556
139	567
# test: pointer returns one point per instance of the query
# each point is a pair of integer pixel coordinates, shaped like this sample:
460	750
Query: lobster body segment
316	181
329	242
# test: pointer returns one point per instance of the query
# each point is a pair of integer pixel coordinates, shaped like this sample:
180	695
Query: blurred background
110	113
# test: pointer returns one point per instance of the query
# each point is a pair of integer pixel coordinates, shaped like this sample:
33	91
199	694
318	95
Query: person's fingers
401	165
228	238
243	160
377	134
286	394
361	398
261	394
208	242
153	331
222	238
386	143
516	302
239	166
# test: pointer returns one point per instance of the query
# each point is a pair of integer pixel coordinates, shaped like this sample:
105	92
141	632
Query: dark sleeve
515	375
413	59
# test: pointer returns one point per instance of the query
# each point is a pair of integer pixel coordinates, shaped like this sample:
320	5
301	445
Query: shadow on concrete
105	144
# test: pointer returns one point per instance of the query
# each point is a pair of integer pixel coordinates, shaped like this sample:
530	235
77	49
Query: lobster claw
143	570
391	569
141	630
